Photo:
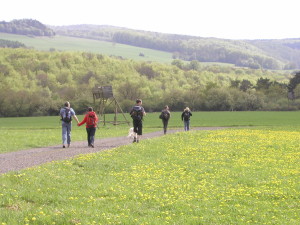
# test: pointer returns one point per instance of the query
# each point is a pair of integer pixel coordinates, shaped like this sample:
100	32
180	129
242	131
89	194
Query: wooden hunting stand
106	98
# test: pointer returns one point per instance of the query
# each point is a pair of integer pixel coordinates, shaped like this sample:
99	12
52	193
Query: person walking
185	117
137	113
165	116
91	121
67	113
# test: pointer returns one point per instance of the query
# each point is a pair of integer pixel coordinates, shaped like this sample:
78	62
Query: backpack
91	120
164	115
186	115
66	115
136	113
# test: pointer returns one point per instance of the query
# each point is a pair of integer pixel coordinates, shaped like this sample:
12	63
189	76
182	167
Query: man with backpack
91	120
185	117
137	113
67	113
165	116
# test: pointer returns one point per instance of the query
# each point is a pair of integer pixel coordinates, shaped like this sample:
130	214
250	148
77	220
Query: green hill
267	54
65	43
153	46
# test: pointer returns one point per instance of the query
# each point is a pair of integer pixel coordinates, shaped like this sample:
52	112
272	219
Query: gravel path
15	161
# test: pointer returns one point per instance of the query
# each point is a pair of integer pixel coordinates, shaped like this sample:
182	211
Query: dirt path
15	161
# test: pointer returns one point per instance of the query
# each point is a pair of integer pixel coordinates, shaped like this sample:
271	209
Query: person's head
90	109
166	107
67	104
187	109
138	101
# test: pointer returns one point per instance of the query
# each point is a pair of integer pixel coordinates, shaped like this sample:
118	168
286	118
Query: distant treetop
26	27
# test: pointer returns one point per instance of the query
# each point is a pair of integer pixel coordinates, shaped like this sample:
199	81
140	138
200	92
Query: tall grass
233	176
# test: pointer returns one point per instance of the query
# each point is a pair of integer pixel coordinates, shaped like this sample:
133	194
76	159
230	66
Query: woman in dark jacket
165	116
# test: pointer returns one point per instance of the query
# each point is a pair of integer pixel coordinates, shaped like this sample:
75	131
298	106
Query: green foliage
30	78
26	27
11	44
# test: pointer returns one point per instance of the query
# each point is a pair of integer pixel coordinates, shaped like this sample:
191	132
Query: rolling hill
266	54
160	47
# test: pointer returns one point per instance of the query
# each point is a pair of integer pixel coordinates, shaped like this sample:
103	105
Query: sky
229	19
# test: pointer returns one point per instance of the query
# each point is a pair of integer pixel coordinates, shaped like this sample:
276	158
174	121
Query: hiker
137	113
91	120
165	116
67	113
185	117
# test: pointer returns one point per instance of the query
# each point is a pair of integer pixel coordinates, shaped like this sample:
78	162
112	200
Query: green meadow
30	132
64	43
246	174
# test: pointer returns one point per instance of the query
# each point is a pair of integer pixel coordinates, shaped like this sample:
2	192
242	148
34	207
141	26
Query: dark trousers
138	127
165	123
91	135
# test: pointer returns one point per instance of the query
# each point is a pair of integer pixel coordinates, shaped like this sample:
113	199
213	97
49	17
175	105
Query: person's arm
75	117
97	119
83	121
60	115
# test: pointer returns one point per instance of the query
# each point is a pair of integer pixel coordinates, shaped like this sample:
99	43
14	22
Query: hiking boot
64	146
92	145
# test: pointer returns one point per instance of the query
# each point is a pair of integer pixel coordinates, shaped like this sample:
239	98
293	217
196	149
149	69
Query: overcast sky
232	19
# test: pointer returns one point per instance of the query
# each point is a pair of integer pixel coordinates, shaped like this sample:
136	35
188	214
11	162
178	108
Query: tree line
26	27
34	83
11	44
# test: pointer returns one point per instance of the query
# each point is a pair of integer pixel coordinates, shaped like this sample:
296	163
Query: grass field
240	175
30	132
64	43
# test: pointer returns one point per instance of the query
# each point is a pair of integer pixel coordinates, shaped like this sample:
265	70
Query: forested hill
255	54
26	27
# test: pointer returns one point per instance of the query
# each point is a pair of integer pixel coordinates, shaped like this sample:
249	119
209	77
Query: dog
131	133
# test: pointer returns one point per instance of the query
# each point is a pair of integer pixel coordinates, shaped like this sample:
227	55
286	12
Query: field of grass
64	43
232	176
31	132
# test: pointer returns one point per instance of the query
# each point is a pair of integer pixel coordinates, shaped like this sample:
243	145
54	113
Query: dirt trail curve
15	161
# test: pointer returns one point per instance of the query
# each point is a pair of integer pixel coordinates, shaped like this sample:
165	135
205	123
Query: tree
235	83
263	84
245	85
194	65
218	99
294	82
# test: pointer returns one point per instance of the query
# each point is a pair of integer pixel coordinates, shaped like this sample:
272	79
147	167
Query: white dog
131	133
